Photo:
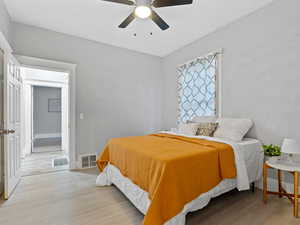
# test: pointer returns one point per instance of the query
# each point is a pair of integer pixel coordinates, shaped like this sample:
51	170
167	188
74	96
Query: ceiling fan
144	10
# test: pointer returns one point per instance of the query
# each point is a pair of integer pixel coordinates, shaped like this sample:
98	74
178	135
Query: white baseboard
78	164
73	165
48	135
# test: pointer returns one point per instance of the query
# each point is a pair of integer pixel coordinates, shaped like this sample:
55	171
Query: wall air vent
88	161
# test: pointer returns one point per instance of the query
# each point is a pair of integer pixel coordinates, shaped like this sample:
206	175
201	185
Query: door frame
51	65
64	87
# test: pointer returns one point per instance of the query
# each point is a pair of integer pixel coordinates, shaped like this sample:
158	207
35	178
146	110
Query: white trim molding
45	83
220	55
70	68
4	45
49	135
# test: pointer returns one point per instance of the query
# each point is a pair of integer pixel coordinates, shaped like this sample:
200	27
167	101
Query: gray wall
118	90
45	122
122	92
261	71
5	23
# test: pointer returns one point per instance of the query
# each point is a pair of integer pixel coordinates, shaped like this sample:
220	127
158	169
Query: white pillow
204	119
188	128
233	129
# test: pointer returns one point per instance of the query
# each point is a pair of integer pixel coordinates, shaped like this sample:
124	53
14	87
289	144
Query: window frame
218	81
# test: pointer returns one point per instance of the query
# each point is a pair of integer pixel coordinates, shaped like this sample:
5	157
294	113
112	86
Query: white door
11	128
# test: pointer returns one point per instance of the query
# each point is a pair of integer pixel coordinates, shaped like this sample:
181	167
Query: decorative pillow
207	129
188	128
233	129
204	119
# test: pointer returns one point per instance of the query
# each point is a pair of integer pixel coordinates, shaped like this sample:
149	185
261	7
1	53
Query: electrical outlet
81	116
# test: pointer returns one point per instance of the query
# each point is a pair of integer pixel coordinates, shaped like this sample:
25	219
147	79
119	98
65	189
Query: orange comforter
174	170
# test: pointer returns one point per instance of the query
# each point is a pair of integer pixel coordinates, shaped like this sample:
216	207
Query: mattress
249	151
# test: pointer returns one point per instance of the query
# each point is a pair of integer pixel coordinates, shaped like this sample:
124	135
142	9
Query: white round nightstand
281	165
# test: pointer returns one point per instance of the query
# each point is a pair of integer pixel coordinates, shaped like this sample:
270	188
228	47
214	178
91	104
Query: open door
11	123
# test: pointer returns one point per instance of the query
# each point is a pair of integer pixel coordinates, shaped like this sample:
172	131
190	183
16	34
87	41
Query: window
197	88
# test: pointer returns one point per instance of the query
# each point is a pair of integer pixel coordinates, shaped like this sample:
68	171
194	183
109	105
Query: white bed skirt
112	175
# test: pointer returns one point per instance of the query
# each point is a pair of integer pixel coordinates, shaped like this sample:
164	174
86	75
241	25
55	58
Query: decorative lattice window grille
197	87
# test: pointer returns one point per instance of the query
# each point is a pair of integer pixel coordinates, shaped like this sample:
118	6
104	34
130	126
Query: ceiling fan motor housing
143	2
143	10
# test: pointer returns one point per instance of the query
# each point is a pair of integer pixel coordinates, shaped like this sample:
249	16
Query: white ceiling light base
142	12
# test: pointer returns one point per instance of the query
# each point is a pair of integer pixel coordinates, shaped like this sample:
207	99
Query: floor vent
88	161
60	162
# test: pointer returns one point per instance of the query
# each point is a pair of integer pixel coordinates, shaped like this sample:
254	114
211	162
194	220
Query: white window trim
219	81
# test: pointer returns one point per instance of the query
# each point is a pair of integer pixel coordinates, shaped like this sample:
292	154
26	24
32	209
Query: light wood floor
38	163
71	198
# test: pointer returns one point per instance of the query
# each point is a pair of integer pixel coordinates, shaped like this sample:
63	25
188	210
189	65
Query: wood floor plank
71	198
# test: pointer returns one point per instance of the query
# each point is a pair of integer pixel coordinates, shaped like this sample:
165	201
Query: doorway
46	102
47	121
16	109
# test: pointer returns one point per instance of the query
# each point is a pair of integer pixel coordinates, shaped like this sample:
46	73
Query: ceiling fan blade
126	2
166	3
159	21
127	21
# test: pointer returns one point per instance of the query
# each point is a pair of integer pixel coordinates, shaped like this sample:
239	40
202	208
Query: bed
248	160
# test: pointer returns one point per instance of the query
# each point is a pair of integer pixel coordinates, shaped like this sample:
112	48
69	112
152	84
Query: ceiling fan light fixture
143	11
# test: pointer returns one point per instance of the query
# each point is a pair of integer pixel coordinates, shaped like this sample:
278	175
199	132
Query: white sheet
248	158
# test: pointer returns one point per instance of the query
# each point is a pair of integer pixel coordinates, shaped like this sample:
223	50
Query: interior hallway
43	162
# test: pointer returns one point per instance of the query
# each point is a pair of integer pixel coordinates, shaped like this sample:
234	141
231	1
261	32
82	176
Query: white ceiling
98	20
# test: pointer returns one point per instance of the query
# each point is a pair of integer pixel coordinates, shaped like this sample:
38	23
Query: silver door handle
6	132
